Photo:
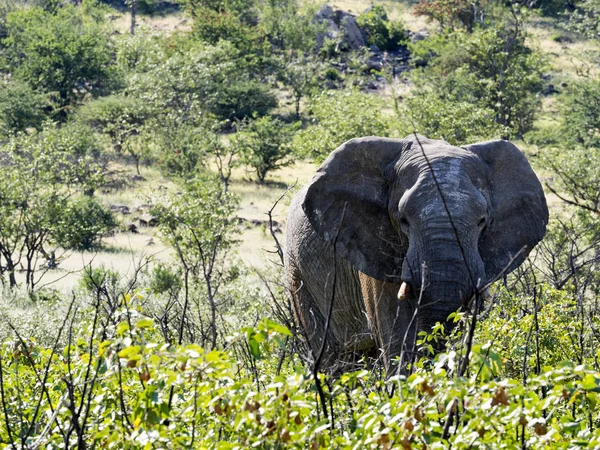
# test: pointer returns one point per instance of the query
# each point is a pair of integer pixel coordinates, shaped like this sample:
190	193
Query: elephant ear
351	183
519	213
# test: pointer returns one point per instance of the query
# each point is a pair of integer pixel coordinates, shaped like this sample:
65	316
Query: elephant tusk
403	291
486	295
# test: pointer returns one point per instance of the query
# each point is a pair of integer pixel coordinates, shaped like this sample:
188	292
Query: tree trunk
134	5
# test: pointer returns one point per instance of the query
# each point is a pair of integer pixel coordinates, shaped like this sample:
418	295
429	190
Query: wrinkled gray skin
377	201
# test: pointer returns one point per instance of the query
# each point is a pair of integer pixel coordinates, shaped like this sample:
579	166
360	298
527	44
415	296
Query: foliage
287	27
299	75
96	280
243	99
197	223
457	122
197	81
42	172
265	145
164	279
584	19
66	53
139	52
492	67
118	116
82	223
21	107
576	175
580	107
380	31
228	20
143	391
452	13
337	116
70	155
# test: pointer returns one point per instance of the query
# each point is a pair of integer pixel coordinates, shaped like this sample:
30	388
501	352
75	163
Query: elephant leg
312	323
392	320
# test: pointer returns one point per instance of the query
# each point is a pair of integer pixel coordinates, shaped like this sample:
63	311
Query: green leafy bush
380	31
82	223
198	80
581	119
337	116
21	107
457	122
243	99
118	116
67	52
490	67
95	280
165	280
265	145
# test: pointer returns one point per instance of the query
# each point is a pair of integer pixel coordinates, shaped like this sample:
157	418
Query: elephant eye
481	223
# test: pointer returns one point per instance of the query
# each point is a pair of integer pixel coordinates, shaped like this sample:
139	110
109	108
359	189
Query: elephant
391	236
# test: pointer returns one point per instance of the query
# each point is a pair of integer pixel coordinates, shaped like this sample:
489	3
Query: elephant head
440	221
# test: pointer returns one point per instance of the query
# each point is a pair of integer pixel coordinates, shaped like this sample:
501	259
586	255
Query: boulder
419	35
123	209
352	34
339	25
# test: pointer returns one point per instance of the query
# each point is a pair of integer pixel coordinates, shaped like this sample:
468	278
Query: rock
123	209
549	90
150	242
132	228
138	178
352	34
419	35
148	221
374	49
325	12
374	64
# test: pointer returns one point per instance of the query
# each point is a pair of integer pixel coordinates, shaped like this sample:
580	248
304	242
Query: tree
380	31
457	122
492	67
580	108
299	75
197	223
81	223
585	19
120	117
265	145
198	80
21	107
337	116
67	52
287	27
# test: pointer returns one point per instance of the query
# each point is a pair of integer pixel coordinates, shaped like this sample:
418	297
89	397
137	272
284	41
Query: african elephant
387	227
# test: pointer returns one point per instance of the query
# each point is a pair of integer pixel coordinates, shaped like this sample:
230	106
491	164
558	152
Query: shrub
116	115
337	116
491	67
67	53
243	99
95	280
165	279
457	122
21	107
265	145
199	80
581	118
82	223
380	30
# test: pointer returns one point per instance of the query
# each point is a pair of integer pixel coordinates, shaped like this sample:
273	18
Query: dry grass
124	251
166	24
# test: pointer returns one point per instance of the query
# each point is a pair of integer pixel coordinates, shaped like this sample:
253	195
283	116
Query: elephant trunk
441	281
